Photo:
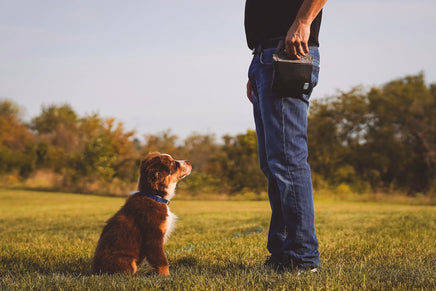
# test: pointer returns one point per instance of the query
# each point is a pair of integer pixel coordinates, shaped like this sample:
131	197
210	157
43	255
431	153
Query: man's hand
297	39
249	91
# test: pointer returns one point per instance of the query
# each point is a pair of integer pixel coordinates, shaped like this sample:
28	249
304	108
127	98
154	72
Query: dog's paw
164	270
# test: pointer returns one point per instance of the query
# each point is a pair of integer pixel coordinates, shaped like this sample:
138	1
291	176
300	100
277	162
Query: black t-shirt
269	19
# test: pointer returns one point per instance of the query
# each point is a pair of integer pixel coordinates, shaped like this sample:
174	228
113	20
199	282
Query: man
281	125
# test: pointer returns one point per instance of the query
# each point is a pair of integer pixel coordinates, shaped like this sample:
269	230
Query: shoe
275	264
303	269
281	266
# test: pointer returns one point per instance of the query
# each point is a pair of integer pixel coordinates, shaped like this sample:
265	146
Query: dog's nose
187	163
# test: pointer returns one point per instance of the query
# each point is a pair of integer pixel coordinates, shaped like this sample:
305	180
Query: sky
182	64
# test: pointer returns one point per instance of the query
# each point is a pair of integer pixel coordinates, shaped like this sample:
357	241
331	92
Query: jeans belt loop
269	43
257	49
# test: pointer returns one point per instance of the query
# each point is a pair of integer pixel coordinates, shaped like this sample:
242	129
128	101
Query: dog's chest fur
170	224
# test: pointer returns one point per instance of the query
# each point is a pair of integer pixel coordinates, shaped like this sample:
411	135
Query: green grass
47	242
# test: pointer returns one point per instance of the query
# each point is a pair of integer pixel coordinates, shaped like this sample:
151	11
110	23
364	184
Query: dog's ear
152	174
152	168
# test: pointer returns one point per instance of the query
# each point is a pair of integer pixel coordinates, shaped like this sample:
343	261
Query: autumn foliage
365	140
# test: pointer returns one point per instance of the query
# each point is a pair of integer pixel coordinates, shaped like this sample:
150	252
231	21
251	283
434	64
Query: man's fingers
289	51
300	49
295	51
297	40
305	47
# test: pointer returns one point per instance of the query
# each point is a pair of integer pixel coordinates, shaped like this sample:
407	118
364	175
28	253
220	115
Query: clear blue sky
182	64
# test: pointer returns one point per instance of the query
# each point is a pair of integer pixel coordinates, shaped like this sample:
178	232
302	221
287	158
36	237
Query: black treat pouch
292	77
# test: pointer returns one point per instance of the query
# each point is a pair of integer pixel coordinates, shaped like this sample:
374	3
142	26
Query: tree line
377	139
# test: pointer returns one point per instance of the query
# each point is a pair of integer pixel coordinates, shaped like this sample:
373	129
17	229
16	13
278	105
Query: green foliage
240	163
165	142
7	161
201	183
48	240
98	158
17	149
200	149
376	139
224	168
8	108
385	137
28	161
52	117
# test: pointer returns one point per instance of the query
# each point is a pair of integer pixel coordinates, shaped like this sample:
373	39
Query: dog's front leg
157	259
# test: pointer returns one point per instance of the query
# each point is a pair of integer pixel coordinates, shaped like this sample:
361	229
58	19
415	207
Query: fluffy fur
140	228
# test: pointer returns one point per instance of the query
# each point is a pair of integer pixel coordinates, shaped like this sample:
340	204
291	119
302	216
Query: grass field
47	242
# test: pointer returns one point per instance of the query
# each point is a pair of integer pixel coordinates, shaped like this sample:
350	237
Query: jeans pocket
314	51
315	74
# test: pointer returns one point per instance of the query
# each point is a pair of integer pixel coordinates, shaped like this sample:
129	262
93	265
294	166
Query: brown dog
140	228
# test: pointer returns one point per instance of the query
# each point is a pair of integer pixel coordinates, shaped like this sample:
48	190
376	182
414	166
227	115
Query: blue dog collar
154	197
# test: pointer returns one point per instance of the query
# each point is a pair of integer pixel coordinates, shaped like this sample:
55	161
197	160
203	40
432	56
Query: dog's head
159	174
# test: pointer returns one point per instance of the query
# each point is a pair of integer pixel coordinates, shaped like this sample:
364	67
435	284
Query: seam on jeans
284	147
284	140
292	189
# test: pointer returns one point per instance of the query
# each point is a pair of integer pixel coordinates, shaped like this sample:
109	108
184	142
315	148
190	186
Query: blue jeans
281	126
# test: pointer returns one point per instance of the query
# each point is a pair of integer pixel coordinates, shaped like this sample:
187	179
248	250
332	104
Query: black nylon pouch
291	77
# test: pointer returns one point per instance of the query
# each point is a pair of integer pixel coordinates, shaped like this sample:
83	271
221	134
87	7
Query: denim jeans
281	126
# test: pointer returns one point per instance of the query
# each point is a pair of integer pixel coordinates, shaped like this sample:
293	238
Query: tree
405	109
13	133
165	142
126	155
239	163
57	125
16	141
384	136
199	149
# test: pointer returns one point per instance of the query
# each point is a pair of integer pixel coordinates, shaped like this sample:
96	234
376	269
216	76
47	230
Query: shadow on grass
194	265
81	266
45	265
